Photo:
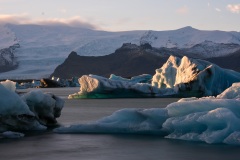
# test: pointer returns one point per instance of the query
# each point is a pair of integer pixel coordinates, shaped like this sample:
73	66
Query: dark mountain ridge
131	60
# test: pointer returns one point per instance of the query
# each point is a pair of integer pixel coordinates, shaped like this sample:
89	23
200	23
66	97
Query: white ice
33	111
193	77
182	77
231	92
10	85
15	113
208	119
93	86
12	135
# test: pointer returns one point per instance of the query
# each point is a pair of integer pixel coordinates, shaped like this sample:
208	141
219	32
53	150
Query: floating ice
46	106
232	92
208	119
33	111
10	134
194	77
15	113
139	121
93	86
184	77
10	85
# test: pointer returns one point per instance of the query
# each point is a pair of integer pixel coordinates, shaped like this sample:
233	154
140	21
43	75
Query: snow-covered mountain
202	43
42	48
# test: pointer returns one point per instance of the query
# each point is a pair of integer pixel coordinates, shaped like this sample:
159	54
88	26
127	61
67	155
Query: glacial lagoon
49	145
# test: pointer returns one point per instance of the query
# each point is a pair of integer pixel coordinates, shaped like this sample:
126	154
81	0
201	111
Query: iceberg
15	113
12	135
178	77
46	106
231	92
194	77
93	86
35	110
10	85
208	119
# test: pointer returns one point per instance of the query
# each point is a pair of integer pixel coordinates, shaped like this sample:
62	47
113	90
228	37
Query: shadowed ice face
15	114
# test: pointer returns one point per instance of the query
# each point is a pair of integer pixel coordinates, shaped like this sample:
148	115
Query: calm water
48	145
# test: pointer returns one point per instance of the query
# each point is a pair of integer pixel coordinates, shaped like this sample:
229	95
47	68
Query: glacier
43	48
34	110
209	119
179	77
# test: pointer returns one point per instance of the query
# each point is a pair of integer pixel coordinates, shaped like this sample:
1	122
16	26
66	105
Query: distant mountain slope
187	37
231	61
129	60
200	42
43	47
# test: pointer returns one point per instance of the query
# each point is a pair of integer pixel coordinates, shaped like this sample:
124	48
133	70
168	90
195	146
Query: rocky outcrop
127	61
131	60
7	59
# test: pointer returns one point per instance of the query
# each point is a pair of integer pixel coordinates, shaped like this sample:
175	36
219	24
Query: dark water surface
52	146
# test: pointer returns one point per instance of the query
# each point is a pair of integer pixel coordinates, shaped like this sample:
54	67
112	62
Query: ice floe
207	119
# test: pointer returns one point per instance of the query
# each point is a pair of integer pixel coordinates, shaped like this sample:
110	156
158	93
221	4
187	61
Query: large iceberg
46	106
194	77
93	86
15	113
208	119
35	110
184	77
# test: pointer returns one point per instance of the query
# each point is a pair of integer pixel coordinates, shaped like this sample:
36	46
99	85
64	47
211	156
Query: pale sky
122	15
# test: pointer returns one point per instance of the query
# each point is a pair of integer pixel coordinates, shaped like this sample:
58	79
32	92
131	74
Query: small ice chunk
12	135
